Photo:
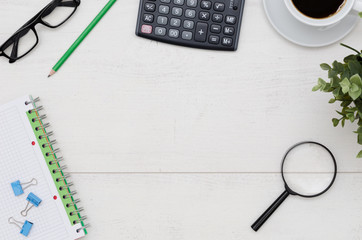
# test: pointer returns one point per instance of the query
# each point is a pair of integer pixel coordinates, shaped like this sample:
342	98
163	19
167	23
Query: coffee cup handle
358	6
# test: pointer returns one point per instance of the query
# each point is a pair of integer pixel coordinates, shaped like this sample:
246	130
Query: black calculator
208	24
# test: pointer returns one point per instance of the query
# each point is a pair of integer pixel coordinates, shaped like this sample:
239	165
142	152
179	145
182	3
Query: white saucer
302	34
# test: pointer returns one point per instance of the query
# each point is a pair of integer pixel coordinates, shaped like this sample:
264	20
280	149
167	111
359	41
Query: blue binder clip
33	200
19	188
25	227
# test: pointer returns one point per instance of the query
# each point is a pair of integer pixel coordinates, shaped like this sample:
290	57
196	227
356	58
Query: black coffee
319	8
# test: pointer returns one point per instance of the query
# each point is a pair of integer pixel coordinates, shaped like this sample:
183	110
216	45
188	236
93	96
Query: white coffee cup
349	7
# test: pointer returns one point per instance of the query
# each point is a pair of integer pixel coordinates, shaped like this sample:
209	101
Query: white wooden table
168	142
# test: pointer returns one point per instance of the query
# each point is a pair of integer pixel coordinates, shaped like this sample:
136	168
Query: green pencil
81	37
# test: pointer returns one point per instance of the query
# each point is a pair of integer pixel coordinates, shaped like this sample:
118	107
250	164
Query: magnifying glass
309	169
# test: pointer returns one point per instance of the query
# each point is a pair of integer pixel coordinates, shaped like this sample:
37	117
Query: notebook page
19	160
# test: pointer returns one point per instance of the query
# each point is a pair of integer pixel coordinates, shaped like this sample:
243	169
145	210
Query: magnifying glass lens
308	169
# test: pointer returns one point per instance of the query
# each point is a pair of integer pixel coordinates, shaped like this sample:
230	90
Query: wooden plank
214	206
126	104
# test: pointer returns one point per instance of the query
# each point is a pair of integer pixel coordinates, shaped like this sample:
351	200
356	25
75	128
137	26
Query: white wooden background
168	142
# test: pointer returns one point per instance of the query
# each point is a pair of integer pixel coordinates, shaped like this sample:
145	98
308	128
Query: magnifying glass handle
264	217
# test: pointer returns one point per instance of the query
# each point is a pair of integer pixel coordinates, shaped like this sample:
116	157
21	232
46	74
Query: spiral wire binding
62	178
76	201
49	144
77	211
45	126
48	134
56	160
69	184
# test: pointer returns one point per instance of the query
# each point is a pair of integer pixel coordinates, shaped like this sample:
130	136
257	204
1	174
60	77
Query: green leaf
359	139
335	81
355	91
356	79
340	113
355	95
345	74
325	66
359	130
335	122
316	88
351	110
345	103
354	87
338	67
336	92
344	110
359	155
350	116
360	14
326	88
345	84
355	67
343	121
333	100
332	73
321	82
350	58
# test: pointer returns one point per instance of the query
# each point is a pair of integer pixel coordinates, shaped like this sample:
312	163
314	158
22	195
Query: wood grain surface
167	142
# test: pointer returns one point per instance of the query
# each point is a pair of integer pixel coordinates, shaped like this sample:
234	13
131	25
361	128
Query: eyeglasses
26	38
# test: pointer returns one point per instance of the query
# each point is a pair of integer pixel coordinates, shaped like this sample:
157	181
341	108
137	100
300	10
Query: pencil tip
52	72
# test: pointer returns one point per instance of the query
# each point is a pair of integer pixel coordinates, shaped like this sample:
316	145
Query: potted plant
345	83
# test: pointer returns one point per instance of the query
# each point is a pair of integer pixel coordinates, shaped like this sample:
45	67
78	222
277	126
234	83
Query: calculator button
177	11
186	35
173	33
229	31
230	19
201	32
179	2
204	16
214	39
228	42
190	13
215	29
191	3
206	5
165	1
162	20
219	7
146	29
160	31
175	22
148	18
164	9
188	24
150	7
217	17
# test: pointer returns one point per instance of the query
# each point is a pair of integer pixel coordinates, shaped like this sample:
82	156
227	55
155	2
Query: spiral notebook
36	199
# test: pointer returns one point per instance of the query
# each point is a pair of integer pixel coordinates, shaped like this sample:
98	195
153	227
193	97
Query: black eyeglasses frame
30	26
